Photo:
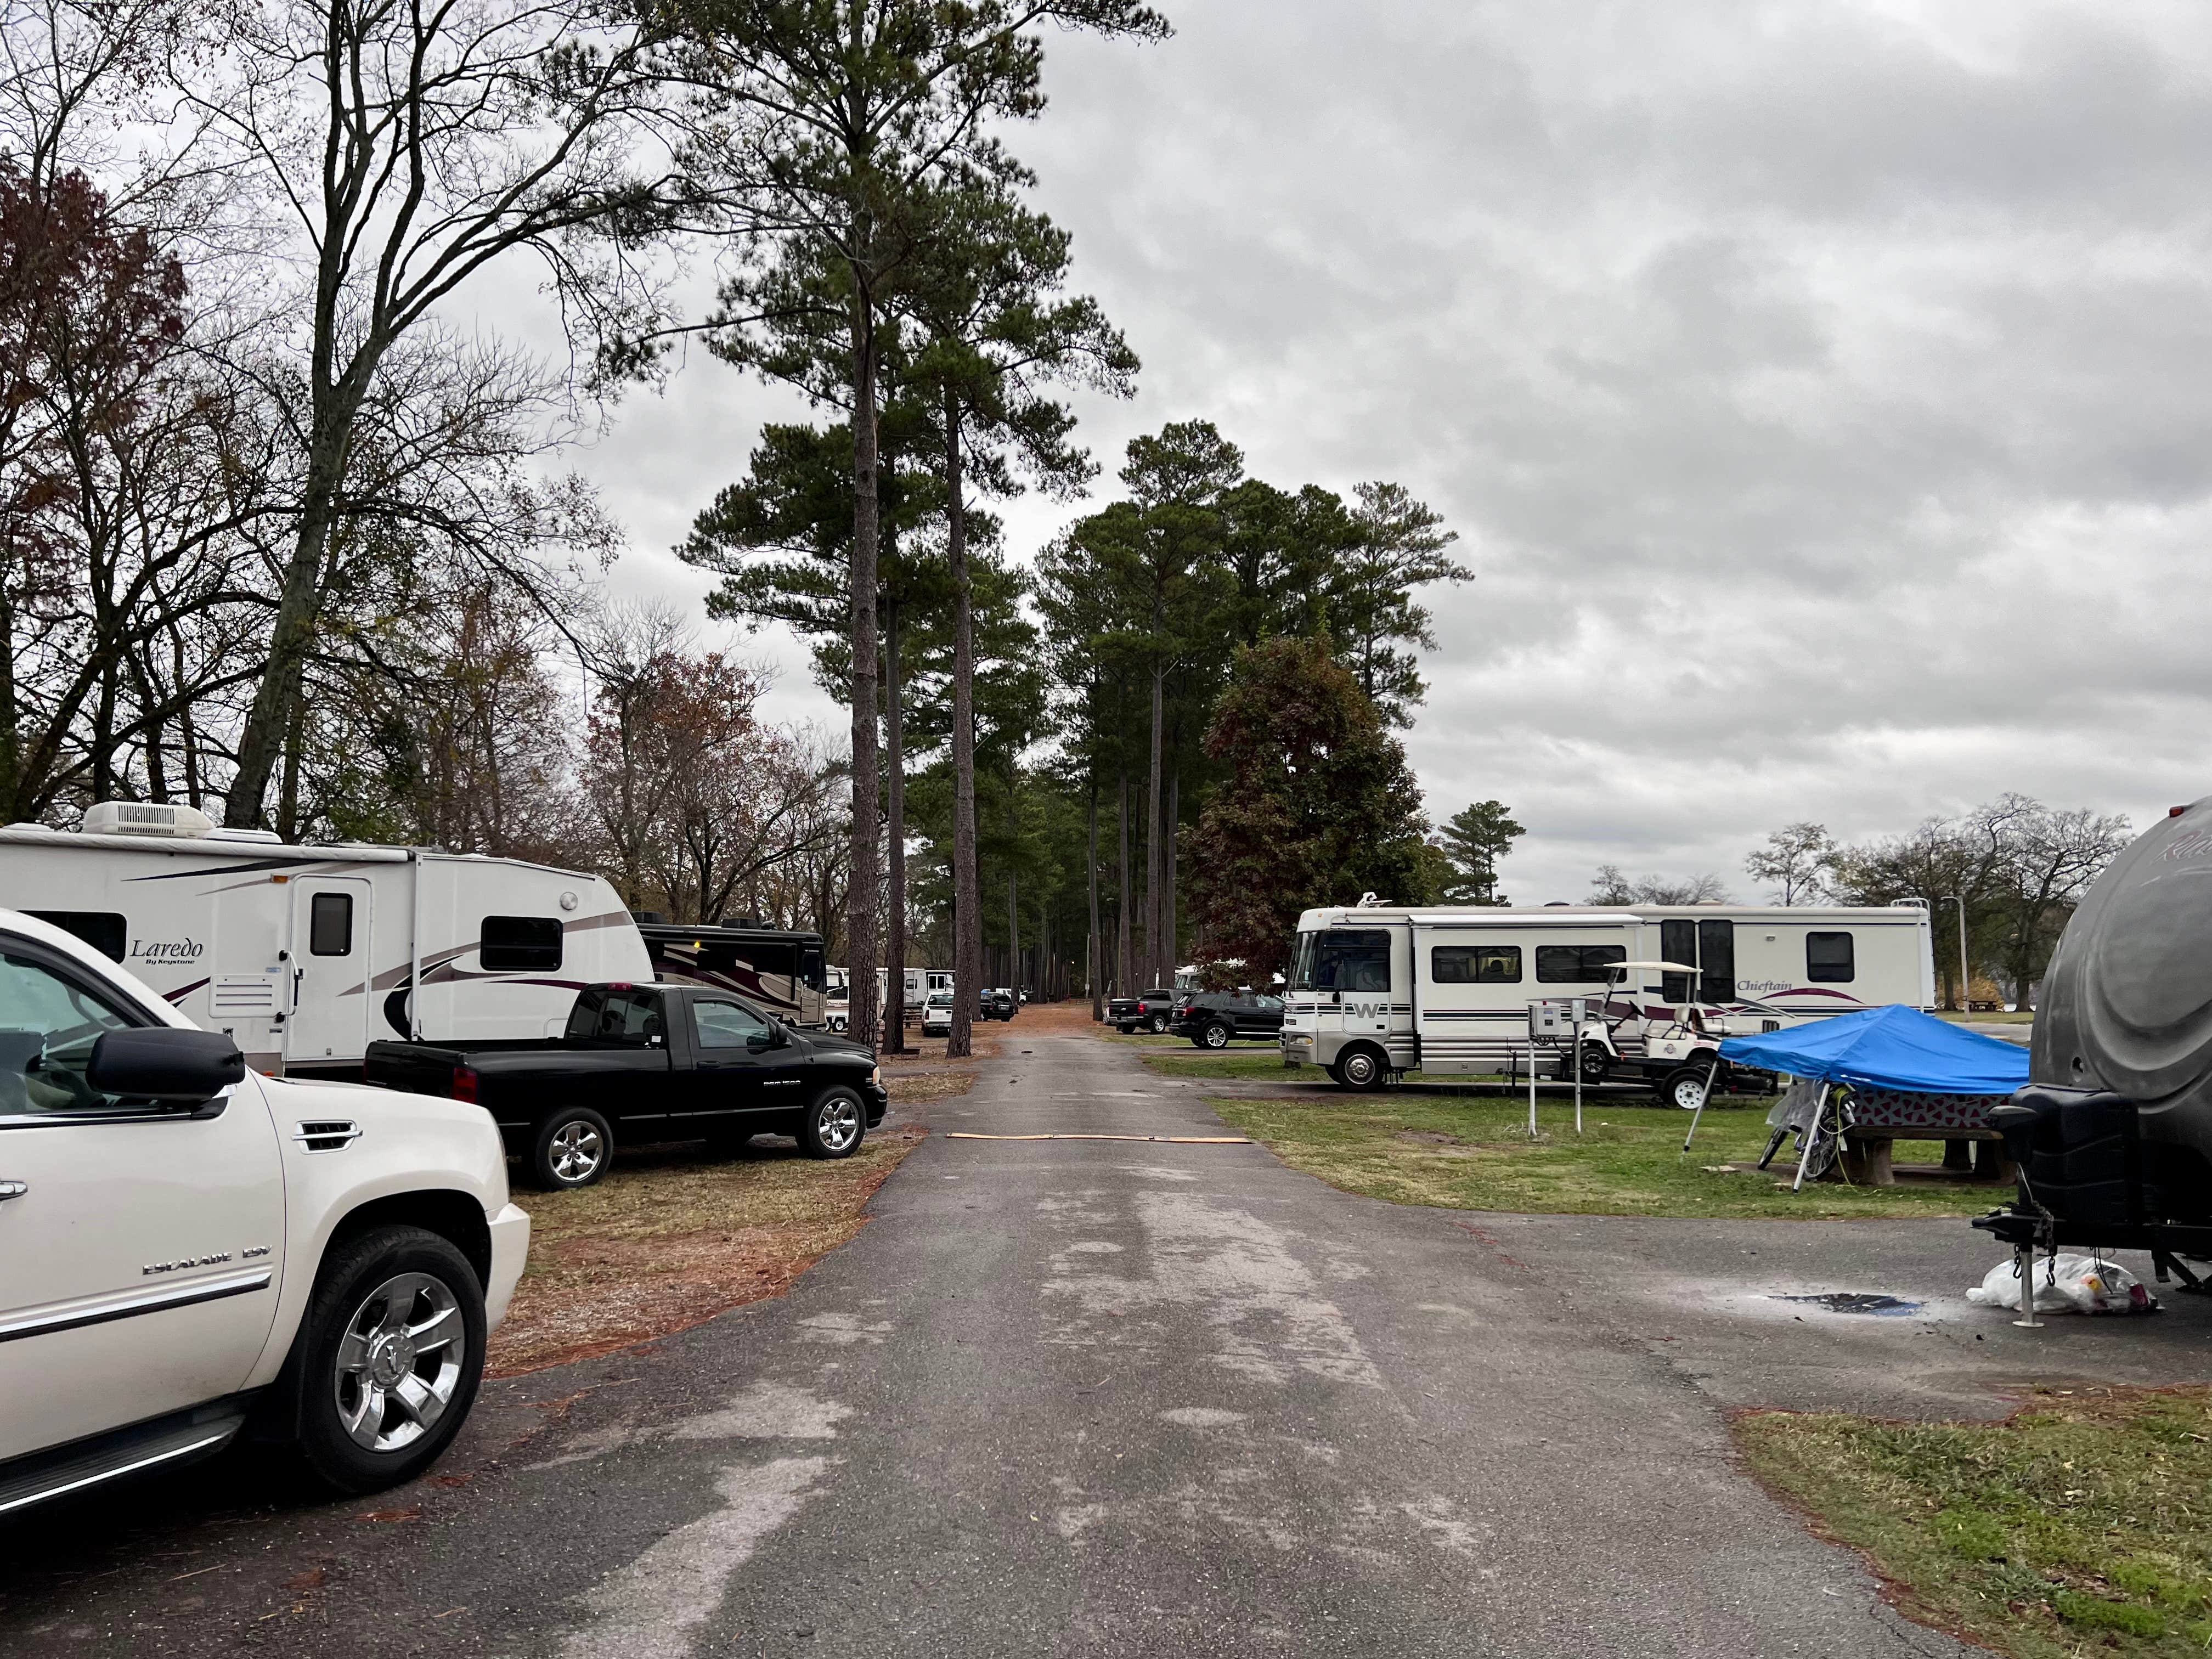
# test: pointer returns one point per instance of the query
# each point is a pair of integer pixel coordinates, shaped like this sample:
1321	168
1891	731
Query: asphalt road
1110	1397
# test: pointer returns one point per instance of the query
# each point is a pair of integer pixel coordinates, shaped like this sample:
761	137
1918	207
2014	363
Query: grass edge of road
2076	1525
674	1236
1474	1154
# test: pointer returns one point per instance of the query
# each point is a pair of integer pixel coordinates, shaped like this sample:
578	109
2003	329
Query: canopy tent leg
1711	1071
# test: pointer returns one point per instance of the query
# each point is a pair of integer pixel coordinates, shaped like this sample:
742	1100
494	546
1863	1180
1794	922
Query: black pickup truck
650	1062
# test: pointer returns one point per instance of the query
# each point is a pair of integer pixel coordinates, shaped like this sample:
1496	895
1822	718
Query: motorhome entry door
329	999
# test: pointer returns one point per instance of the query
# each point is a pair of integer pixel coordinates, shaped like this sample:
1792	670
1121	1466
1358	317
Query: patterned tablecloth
1873	1111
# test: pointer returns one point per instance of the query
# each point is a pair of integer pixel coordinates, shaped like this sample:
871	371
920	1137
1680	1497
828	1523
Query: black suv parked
999	1005
1150	1010
1212	1018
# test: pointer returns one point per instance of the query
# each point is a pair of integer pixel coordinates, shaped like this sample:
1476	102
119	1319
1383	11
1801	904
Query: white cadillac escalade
188	1251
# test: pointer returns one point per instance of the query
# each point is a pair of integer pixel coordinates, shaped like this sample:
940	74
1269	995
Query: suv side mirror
164	1062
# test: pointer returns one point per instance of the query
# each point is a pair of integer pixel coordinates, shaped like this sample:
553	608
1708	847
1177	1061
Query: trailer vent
328	1135
245	995
133	817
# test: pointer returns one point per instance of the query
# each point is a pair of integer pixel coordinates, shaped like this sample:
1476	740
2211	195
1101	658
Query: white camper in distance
304	955
1376	990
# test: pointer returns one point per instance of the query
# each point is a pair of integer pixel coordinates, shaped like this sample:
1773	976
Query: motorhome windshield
1342	959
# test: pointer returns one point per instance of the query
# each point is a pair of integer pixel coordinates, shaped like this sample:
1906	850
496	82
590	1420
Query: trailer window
1352	959
1576	964
105	931
509	944
1475	964
1828	958
329	925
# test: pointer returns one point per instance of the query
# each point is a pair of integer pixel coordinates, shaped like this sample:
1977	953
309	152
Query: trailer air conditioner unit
130	817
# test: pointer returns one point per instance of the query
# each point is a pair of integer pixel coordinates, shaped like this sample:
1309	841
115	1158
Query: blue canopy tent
1894	1049
1908	1074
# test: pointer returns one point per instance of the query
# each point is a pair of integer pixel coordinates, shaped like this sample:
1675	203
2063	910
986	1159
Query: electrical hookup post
1553	1020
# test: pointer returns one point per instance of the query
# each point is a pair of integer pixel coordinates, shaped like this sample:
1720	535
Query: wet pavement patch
1857	1302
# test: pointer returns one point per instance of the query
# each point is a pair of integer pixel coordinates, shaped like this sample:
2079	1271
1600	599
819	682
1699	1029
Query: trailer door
328	1022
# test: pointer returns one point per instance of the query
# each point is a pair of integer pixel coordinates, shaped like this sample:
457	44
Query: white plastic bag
2067	1283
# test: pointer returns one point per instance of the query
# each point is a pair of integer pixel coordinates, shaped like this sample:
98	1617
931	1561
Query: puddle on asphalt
1857	1302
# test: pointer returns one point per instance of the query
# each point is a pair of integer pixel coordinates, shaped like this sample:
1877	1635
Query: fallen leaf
392	1514
310	1579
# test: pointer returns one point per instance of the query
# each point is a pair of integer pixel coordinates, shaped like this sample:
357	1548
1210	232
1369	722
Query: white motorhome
1376	990
304	955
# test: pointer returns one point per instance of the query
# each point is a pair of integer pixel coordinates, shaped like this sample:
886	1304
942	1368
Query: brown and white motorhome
304	955
1376	990
782	970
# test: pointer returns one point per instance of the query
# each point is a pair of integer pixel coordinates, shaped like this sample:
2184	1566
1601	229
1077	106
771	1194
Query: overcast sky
1822	393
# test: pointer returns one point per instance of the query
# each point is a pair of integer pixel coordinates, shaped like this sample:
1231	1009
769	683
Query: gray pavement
1107	1397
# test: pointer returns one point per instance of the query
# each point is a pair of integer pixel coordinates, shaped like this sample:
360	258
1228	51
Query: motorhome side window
508	945
632	1019
1576	964
1828	958
105	931
329	925
1351	959
1475	964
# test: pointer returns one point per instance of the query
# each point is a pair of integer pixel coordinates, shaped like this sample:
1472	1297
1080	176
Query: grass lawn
1474	1154
674	1236
2082	1526
2016	1017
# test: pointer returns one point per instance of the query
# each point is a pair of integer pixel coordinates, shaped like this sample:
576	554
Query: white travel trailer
306	954
1376	990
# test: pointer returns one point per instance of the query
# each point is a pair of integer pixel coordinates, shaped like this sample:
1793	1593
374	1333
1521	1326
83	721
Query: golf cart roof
1655	966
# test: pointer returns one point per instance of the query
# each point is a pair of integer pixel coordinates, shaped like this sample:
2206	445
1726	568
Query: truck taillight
464	1083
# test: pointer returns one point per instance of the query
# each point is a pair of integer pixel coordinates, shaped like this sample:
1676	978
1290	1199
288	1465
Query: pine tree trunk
1167	928
895	845
1014	899
1155	860
967	886
1093	947
1124	968
861	933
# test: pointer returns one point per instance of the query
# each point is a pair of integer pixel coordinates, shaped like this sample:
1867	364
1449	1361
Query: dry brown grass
673	1237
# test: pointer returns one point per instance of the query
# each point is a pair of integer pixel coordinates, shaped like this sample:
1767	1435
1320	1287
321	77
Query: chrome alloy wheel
1359	1068
1217	1035
837	1122
399	1362
575	1152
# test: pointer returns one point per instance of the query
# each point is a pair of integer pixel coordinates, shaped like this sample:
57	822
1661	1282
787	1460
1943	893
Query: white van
304	955
1376	990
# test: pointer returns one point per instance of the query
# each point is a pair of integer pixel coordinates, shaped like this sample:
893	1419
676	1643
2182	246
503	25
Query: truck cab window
512	945
630	1019
725	1024
1352	959
1828	959
1475	964
51	1024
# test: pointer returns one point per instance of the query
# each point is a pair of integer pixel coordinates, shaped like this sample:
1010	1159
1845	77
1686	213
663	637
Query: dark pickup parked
650	1062
1149	1010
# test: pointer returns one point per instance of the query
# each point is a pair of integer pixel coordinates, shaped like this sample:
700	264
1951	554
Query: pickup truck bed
642	1063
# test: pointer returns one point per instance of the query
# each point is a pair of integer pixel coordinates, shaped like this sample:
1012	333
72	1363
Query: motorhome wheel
1361	1068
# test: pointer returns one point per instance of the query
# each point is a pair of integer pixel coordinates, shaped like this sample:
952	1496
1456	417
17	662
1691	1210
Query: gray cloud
1818	390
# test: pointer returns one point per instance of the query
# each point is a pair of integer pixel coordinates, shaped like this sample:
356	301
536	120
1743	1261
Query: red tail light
464	1083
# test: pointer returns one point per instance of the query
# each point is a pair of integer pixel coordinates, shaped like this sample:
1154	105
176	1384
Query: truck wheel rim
576	1151
399	1362
838	1124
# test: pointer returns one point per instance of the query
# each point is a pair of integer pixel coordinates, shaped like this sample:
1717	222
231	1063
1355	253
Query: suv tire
834	1125
571	1147
1214	1035
395	1308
